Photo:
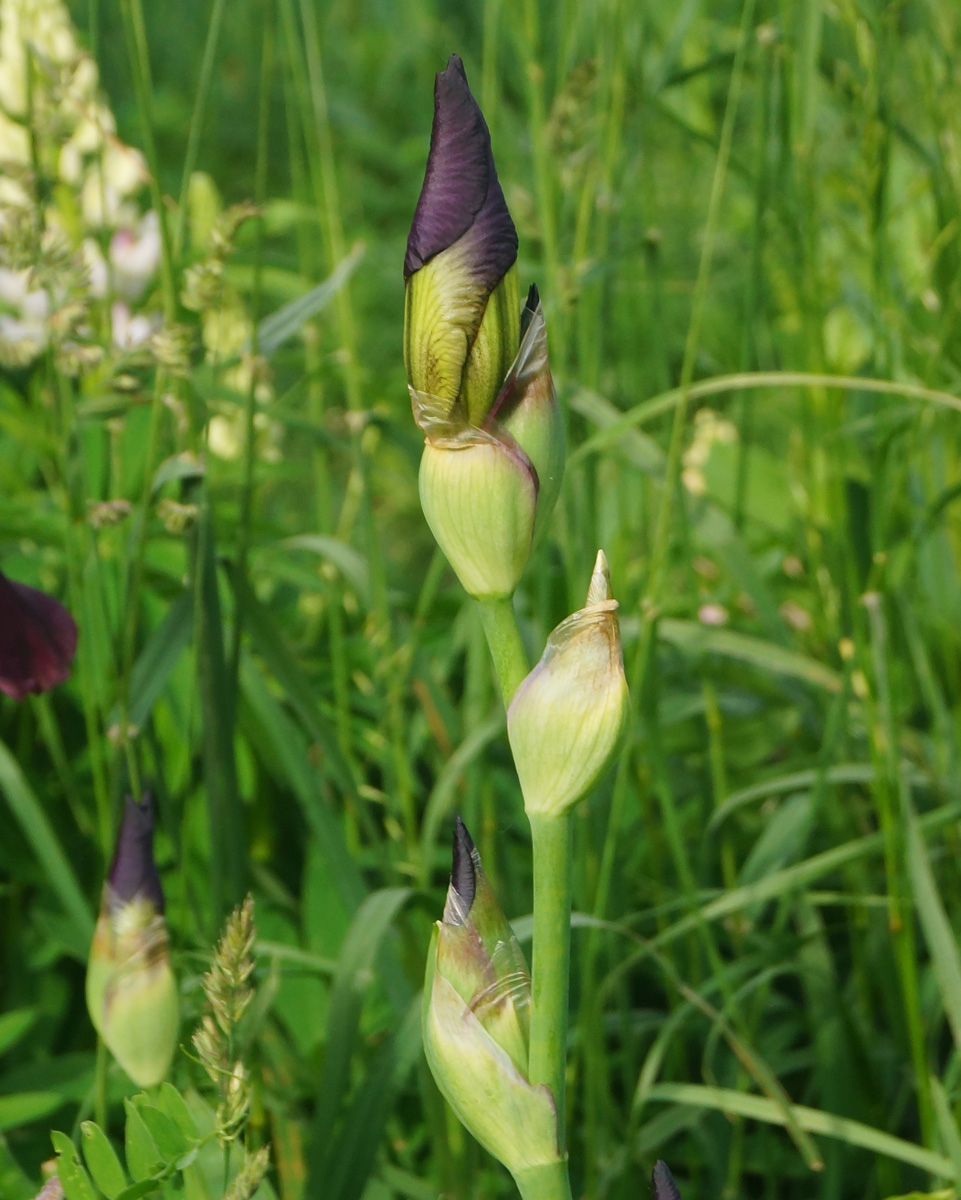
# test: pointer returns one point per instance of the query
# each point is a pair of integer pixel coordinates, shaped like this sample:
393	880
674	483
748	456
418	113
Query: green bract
567	717
476	1022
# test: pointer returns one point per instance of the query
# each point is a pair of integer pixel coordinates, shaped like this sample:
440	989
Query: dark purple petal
463	874
663	1182
133	871
461	191
38	639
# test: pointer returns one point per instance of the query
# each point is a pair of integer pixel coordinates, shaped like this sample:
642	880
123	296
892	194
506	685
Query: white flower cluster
56	130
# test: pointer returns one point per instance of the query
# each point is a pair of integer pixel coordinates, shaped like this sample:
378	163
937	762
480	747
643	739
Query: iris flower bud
476	1022
478	370
461	299
38	639
662	1182
131	990
567	717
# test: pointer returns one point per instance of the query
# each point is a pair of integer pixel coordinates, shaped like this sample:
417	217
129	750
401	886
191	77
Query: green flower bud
131	990
487	492
476	1022
479	495
567	717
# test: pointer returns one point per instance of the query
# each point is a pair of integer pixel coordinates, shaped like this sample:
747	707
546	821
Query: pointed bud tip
662	1181
133	871
600	588
463	876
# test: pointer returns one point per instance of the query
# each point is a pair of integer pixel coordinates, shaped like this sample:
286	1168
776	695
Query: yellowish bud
567	717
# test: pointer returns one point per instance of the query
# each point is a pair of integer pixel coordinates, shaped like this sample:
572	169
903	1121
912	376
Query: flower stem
506	647
549	1181
551	836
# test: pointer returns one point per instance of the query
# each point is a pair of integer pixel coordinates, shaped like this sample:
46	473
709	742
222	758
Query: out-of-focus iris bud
567	717
476	1022
478	370
662	1182
38	639
131	990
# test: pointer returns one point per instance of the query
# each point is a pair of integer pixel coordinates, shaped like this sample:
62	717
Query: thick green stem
506	647
547	1182
551	836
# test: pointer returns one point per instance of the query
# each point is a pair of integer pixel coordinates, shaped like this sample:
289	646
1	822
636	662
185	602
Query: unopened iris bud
131	990
662	1182
461	315
477	368
567	717
476	1022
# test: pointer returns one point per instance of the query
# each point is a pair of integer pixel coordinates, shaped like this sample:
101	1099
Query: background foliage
760	201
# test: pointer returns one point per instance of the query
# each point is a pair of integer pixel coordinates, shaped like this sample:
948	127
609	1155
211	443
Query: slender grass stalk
196	118
250	410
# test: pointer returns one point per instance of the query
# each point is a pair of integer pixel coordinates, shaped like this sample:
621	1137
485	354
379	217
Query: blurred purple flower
38	639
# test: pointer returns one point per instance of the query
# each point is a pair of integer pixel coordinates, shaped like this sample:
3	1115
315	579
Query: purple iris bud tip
133	871
461	191
663	1182
38	640
463	874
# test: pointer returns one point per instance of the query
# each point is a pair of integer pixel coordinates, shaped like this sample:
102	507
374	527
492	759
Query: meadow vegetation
744	220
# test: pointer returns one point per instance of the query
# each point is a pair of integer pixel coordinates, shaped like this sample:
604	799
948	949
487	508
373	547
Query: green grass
752	210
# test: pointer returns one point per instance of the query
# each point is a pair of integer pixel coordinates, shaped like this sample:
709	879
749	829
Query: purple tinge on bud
662	1181
463	875
461	191
133	871
38	639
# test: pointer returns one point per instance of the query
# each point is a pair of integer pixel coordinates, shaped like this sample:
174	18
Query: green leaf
29	814
143	1157
937	929
102	1161
178	467
13	1025
370	924
24	1107
275	329
147	1187
14	1183
75	1180
702	639
352	1157
170	1138
159	656
170	1101
224	810
351	564
760	1108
